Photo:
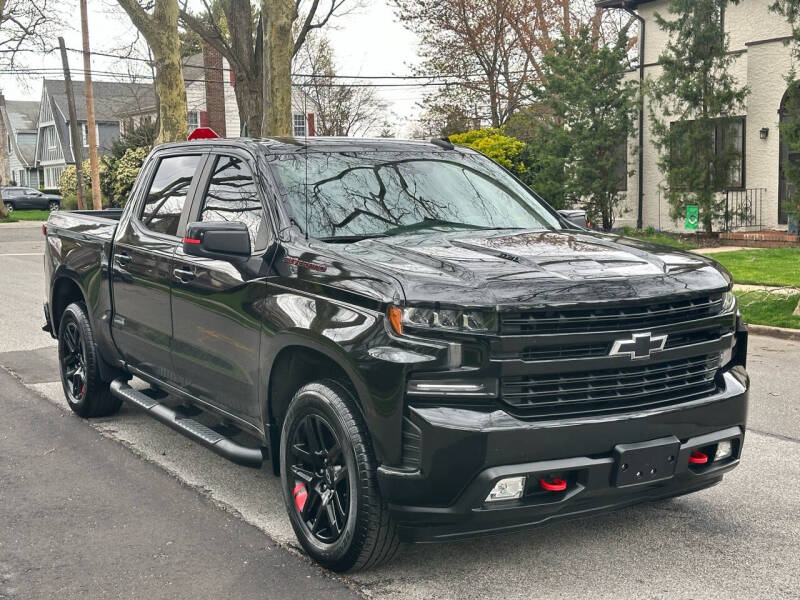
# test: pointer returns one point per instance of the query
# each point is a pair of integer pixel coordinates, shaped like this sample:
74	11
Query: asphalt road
740	539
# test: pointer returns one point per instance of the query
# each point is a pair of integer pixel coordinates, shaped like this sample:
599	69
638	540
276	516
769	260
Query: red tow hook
554	485
698	458
300	495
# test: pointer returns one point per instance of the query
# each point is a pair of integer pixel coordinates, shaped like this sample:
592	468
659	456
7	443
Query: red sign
203	133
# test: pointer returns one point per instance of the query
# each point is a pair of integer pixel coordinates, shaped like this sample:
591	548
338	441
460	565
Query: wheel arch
298	359
65	290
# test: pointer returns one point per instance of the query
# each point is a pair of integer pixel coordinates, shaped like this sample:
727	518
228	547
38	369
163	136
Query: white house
211	99
757	40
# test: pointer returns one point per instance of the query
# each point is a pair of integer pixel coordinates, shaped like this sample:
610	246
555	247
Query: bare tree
160	30
240	40
491	51
341	109
472	43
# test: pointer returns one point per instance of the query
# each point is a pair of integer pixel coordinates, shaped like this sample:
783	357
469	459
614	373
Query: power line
311	75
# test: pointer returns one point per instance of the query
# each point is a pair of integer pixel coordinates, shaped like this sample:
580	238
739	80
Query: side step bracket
216	442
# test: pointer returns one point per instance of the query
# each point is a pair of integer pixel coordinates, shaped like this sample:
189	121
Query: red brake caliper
300	495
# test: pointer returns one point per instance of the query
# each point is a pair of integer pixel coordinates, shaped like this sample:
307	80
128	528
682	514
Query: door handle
183	275
122	259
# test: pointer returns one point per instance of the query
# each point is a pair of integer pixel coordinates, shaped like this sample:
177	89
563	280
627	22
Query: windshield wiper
427	222
346	239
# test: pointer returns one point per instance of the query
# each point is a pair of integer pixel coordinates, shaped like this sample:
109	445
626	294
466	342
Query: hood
532	268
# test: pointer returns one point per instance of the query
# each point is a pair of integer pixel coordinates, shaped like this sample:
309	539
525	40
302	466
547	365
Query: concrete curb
776	332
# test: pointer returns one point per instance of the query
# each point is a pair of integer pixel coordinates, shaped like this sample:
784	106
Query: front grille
611	390
589	350
612	318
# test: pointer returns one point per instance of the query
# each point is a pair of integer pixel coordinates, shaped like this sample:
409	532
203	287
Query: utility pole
73	124
90	125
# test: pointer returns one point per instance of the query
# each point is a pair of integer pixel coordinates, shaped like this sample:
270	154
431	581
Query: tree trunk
279	16
161	33
249	100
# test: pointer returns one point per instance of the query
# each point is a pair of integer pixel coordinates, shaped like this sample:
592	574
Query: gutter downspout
636	16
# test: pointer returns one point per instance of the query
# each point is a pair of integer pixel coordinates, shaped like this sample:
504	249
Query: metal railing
744	209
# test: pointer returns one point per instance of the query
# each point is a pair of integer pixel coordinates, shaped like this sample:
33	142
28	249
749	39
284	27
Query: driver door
215	303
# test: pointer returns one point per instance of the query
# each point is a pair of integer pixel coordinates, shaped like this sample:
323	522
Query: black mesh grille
613	389
584	350
568	320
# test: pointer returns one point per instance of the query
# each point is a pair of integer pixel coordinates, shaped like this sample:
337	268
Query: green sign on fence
692	216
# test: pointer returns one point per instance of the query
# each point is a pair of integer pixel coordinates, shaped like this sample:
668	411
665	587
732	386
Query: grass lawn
656	237
26	215
772	266
765	308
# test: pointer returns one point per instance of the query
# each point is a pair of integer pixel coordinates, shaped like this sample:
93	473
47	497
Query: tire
326	412
53	206
86	392
9	206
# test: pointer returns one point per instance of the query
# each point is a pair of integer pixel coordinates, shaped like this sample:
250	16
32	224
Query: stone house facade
758	41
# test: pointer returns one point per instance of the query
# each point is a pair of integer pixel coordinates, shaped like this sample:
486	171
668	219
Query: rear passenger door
142	267
215	303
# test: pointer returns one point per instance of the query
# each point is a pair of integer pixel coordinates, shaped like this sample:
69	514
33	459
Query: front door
215	303
143	263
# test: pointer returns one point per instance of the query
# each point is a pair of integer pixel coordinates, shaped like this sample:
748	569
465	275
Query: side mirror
222	240
576	217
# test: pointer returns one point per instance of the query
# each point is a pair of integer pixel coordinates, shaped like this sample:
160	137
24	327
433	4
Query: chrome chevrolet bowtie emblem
642	345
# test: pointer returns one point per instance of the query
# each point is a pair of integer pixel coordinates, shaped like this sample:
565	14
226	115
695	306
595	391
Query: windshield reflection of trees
400	191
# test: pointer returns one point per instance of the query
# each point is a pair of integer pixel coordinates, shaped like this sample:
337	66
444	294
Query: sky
370	41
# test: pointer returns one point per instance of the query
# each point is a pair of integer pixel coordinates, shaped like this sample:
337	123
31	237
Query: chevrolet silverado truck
421	346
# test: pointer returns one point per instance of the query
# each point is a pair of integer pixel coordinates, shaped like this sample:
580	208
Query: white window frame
193	118
297	129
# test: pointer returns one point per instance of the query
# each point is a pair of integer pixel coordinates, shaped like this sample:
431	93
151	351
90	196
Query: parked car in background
29	198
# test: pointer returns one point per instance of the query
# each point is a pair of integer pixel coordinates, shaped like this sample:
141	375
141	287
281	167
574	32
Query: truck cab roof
291	145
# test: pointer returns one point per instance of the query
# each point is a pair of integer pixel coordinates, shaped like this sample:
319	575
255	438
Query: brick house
757	40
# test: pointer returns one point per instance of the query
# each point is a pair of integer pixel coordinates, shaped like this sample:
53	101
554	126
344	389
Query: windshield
371	194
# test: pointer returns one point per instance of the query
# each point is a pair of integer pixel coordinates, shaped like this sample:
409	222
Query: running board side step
216	442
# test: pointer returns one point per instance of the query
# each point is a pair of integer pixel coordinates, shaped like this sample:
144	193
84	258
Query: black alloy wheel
87	393
72	353
319	479
329	480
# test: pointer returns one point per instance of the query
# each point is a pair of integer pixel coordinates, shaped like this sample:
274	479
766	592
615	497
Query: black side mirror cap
575	217
222	240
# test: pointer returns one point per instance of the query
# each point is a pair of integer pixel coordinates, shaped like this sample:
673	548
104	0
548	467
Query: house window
727	138
85	133
50	137
194	120
621	166
299	125
51	176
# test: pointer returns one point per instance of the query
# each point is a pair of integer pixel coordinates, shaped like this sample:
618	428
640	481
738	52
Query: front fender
349	336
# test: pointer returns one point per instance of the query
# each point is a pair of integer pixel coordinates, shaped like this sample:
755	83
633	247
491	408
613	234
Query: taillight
44	228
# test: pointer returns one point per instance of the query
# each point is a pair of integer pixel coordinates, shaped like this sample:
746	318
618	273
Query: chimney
215	90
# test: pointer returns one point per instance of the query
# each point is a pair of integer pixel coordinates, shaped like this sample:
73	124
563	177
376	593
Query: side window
232	196
167	194
11	192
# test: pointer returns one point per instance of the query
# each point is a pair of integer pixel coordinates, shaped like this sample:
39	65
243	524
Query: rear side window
167	194
12	192
232	196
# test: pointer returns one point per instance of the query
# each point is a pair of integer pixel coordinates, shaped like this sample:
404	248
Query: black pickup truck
423	348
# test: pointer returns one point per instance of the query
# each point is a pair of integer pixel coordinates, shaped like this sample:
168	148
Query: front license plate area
645	462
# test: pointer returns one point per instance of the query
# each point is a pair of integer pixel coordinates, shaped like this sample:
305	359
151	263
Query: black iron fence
744	209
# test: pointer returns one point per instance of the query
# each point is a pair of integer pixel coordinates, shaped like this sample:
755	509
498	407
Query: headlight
451	320
728	302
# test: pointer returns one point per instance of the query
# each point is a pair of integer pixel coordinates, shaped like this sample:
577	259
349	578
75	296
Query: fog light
724	450
509	488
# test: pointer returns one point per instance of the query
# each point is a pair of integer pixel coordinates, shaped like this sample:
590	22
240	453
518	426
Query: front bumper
465	452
